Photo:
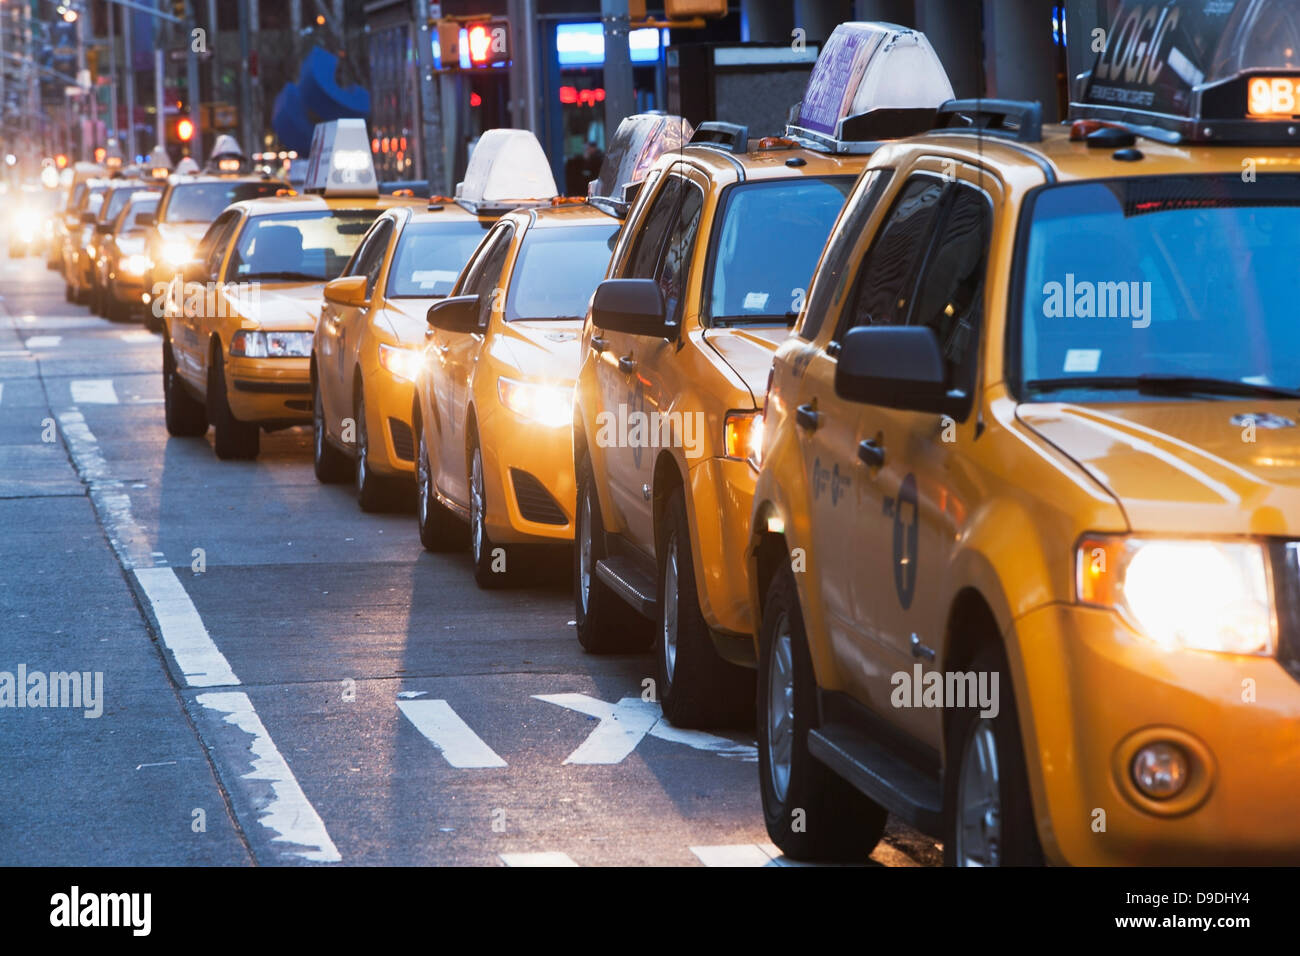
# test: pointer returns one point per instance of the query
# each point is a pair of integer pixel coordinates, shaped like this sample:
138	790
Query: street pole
214	47
111	11
295	28
254	78
128	17
431	146
82	125
523	76
245	86
192	78
159	84
620	98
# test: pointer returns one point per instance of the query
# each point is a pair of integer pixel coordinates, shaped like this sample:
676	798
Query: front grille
535	502
403	440
1286	572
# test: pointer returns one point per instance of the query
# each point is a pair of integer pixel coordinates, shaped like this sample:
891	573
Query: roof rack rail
719	135
1021	120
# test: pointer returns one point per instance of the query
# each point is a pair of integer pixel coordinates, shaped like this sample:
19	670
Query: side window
485	274
212	247
677	254
887	276
832	277
950	295
368	260
659	221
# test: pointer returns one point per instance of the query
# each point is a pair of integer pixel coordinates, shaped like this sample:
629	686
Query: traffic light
184	129
487	43
686	9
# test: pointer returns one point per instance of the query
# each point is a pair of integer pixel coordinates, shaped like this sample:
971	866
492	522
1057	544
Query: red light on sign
184	131
475	100
572	96
480	44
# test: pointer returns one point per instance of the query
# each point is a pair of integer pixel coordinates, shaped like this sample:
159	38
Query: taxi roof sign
340	163
639	140
871	82
1177	71
507	170
187	166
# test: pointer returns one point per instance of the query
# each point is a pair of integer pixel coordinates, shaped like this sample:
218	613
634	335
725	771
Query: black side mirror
146	219
631	306
87	218
103	228
893	367
456	314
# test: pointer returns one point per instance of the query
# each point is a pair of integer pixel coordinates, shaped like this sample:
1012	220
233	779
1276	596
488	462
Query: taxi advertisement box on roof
835	78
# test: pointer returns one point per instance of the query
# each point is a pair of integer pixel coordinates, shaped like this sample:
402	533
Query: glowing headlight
742	436
1183	594
252	344
547	405
135	265
26	224
176	252
401	363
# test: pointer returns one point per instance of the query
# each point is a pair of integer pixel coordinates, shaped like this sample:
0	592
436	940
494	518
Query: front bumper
269	391
720	498
388	423
1099	690
528	468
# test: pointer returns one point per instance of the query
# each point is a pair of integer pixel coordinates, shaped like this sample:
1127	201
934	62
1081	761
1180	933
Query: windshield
307	246
558	271
430	256
203	202
766	246
1188	279
117	202
130	218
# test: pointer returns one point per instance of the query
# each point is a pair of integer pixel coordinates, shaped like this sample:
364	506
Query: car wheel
330	464
184	414
491	569
605	623
810	813
440	529
374	492
68	294
697	688
232	439
989	813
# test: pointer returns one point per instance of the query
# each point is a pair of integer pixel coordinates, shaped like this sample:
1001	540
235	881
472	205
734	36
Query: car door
189	343
454	356
845	541
621	391
348	321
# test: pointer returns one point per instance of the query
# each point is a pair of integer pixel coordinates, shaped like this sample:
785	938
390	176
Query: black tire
68	294
696	687
837	823
330	464
440	529
482	550
1017	843
232	439
185	415
374	492
605	623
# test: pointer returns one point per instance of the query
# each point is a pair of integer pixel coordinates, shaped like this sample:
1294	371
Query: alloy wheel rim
363	441
476	504
780	710
670	611
422	480
979	801
317	425
584	553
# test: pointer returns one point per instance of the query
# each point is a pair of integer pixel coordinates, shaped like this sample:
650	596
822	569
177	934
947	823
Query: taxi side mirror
103	228
146	219
631	306
893	367
87	218
347	290
456	314
196	270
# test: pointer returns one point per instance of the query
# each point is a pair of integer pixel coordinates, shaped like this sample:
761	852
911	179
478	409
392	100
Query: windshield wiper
1163	385
288	276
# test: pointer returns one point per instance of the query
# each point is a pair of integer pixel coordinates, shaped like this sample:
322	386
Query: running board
895	784
626	579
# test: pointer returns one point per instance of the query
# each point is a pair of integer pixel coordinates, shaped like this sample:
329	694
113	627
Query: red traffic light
488	43
184	130
480	43
61	161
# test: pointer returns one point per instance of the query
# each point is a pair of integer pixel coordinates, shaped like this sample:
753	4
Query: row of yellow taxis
957	452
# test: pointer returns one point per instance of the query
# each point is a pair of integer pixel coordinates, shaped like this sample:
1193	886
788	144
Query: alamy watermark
944	689
1074	299
637	429
83	690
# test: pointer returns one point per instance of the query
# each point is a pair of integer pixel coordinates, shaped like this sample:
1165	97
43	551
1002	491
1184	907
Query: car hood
193	231
547	350
1186	467
279	306
749	352
407	320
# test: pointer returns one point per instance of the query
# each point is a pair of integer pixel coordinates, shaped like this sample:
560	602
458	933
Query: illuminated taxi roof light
187	167
639	140
871	82
340	163
507	170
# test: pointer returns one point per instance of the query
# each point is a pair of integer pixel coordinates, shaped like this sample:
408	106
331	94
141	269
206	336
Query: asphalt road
287	680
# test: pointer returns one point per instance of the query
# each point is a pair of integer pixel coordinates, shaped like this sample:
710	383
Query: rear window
203	202
558	271
430	256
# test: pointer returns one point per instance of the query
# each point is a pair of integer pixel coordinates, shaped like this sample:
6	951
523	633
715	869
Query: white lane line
2	391
287	811
536	859
740	854
623	725
460	746
138	335
197	655
94	391
44	341
15	353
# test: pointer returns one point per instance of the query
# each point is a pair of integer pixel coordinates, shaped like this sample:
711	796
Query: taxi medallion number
1271	97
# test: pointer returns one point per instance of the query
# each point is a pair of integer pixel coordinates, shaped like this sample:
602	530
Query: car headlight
548	405
1183	594
176	252
135	265
742	436
401	363
256	344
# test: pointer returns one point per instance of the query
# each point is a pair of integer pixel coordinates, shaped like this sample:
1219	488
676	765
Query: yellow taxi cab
1026	537
495	404
79	238
121	261
371	334
238	329
709	272
95	261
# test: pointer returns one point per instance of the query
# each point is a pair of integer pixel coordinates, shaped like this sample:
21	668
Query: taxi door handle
807	417
871	453
599	344
627	364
